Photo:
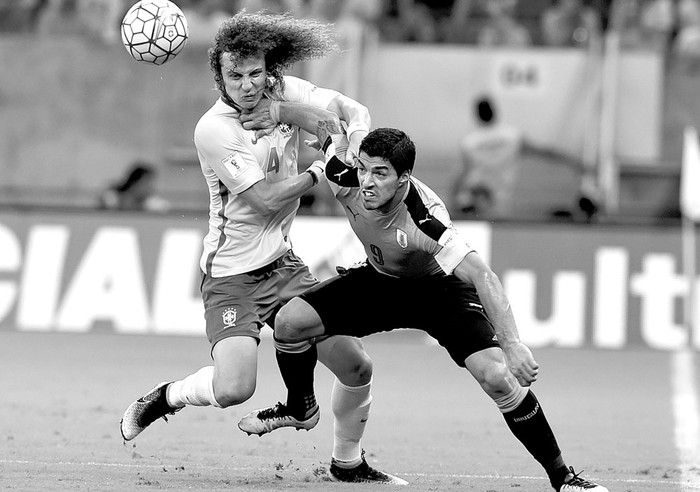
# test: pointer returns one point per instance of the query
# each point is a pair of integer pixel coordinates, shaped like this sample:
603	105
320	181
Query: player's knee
494	379
286	329
233	394
361	371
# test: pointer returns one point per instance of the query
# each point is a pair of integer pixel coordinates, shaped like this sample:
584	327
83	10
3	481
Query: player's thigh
348	304
346	358
457	320
235	367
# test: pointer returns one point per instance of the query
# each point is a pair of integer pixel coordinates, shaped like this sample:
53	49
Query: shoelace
272	413
579	482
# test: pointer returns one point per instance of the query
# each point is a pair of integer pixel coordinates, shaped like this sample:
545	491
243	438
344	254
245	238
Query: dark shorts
363	301
239	305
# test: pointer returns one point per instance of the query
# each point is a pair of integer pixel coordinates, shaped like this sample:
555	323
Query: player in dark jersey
416	258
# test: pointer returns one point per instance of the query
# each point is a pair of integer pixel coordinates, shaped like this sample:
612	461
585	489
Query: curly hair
283	40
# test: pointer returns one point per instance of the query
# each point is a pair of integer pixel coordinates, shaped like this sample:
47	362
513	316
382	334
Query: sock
297	363
196	389
529	424
351	411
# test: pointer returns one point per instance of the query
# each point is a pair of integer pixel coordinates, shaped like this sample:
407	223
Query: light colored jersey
239	238
494	154
415	239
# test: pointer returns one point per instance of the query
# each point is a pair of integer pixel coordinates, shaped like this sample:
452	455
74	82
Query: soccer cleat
146	410
574	483
268	419
362	473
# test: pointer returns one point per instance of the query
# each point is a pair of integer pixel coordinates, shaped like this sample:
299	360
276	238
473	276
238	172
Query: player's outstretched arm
358	119
521	362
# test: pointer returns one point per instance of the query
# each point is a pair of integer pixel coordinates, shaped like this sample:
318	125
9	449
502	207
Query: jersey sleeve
454	250
302	91
226	152
433	219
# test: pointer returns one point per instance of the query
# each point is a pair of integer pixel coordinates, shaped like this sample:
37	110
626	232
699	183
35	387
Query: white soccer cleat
146	410
268	419
574	483
363	473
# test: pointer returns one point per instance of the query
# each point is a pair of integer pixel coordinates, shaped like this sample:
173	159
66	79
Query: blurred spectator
409	21
570	23
272	6
136	191
643	24
658	19
687	41
484	185
501	28
60	17
205	16
20	15
491	156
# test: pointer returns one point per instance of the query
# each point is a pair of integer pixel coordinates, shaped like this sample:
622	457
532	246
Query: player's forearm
497	306
307	117
269	198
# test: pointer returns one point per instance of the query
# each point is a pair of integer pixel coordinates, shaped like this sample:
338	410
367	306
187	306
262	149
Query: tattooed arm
317	121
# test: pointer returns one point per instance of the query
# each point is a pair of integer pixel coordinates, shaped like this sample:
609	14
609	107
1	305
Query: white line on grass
681	483
686	413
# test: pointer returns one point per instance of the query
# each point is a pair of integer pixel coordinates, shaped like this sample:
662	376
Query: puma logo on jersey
338	175
423	221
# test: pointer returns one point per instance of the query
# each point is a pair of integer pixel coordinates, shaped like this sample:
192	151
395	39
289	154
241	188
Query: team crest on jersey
285	129
229	317
401	238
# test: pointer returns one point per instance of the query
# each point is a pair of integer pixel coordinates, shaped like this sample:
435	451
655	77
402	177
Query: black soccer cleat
146	410
362	473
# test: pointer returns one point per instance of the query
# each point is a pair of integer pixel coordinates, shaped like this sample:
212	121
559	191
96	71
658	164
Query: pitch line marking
686	412
408	474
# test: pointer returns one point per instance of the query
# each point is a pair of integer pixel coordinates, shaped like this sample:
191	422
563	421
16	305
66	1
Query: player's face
380	186
244	78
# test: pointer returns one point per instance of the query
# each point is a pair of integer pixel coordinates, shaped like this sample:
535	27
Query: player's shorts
239	305
363	301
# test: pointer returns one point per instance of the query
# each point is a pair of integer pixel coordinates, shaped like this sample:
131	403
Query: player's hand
353	151
522	363
260	119
314	144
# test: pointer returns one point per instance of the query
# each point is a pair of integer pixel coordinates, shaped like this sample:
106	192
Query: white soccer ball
154	31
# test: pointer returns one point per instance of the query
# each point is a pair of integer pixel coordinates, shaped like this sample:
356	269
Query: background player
249	269
416	258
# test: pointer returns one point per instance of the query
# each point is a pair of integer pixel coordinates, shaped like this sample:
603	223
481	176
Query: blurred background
593	95
552	129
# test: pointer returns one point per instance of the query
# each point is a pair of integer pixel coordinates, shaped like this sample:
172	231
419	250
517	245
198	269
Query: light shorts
239	305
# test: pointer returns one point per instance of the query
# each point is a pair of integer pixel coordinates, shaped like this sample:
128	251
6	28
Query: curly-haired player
249	270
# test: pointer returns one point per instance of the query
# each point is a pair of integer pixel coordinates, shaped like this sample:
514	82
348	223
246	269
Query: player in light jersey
421	274
249	269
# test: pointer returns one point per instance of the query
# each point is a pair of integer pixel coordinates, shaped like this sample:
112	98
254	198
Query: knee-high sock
297	362
196	389
351	411
529	424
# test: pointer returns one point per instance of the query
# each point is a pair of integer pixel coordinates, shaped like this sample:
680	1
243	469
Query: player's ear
403	179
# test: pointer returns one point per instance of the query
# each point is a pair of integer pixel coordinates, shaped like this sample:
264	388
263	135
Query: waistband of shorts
270	267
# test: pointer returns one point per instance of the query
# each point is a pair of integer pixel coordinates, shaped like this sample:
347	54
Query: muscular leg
521	410
351	397
230	381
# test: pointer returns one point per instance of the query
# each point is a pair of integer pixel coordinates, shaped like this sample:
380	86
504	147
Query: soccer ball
154	31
